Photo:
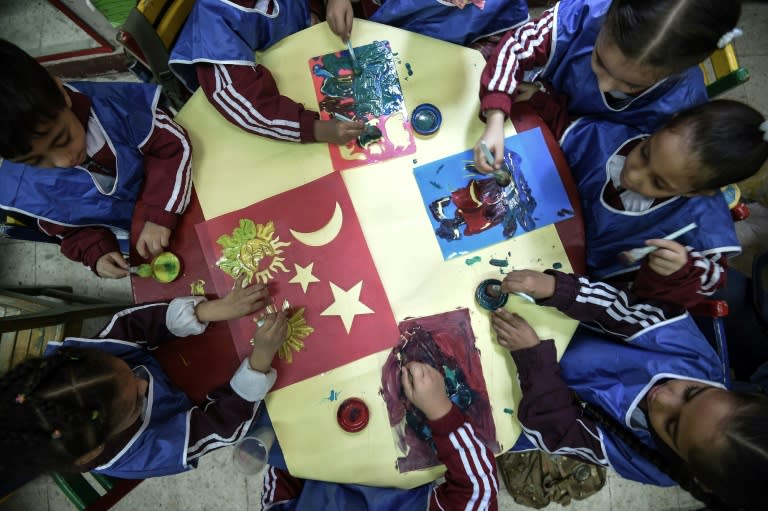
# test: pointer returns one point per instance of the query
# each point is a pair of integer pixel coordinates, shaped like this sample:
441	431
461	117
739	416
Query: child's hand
512	331
669	258
239	302
535	283
338	132
424	386
525	91
494	139
267	340
112	265
152	240
339	15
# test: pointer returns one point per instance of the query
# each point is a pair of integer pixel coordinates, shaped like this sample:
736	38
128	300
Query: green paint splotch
472	260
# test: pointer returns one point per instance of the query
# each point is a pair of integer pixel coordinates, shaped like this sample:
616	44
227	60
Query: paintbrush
371	131
495	290
629	257
355	65
503	176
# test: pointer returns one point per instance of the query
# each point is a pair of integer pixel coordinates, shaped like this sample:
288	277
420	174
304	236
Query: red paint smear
453	337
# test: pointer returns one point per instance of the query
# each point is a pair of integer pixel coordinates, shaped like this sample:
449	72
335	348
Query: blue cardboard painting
469	210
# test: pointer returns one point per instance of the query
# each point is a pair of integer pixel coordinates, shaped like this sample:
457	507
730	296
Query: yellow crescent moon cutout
325	234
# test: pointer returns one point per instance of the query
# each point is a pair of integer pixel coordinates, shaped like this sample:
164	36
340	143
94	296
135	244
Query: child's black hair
733	471
29	99
672	35
725	139
736	470
56	409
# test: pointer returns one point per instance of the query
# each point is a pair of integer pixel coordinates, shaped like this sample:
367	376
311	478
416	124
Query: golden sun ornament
298	330
252	250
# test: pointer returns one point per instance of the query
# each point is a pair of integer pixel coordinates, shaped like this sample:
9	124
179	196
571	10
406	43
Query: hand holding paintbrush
665	256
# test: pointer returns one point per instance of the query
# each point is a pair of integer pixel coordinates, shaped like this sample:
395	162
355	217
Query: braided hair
731	471
55	409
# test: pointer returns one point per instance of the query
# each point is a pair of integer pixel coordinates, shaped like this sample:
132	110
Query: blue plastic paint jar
490	301
426	119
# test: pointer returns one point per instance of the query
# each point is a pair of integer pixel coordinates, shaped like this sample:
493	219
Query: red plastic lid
352	415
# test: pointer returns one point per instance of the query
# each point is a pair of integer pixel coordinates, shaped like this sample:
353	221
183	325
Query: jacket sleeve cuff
496	101
181	319
307	120
250	384
566	290
161	217
93	253
448	423
530	360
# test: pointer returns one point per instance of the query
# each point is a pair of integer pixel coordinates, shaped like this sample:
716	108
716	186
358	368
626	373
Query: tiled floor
216	485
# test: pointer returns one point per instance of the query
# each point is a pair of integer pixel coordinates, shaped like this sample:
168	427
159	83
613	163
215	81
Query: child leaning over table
646	400
457	21
78	156
632	61
215	51
637	186
470	478
105	404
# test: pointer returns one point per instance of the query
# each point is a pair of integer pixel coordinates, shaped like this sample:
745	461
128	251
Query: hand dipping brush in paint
470	478
647	399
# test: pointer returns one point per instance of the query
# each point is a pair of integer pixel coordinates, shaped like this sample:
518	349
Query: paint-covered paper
372	95
469	210
307	245
446	342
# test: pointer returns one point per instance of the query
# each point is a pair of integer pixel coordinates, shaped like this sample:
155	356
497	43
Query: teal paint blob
409	69
472	260
557	266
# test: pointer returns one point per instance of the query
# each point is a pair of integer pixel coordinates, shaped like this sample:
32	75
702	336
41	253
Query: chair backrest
148	35
722	72
20	227
29	318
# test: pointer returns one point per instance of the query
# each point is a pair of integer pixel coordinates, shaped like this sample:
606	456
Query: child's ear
63	91
90	455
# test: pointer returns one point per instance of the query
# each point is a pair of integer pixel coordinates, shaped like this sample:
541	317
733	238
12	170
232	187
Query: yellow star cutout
346	304
304	276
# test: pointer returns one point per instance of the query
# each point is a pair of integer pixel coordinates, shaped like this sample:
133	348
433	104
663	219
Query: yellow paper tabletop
234	169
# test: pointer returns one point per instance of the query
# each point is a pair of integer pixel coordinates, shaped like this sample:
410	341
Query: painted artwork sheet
372	95
307	245
469	211
446	342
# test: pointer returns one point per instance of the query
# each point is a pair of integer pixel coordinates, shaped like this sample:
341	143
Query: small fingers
141	248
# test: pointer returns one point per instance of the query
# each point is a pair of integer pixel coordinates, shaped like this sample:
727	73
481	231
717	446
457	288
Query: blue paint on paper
492	213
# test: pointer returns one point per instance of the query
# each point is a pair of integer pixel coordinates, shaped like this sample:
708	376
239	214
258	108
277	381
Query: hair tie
20	399
56	434
764	128
729	36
